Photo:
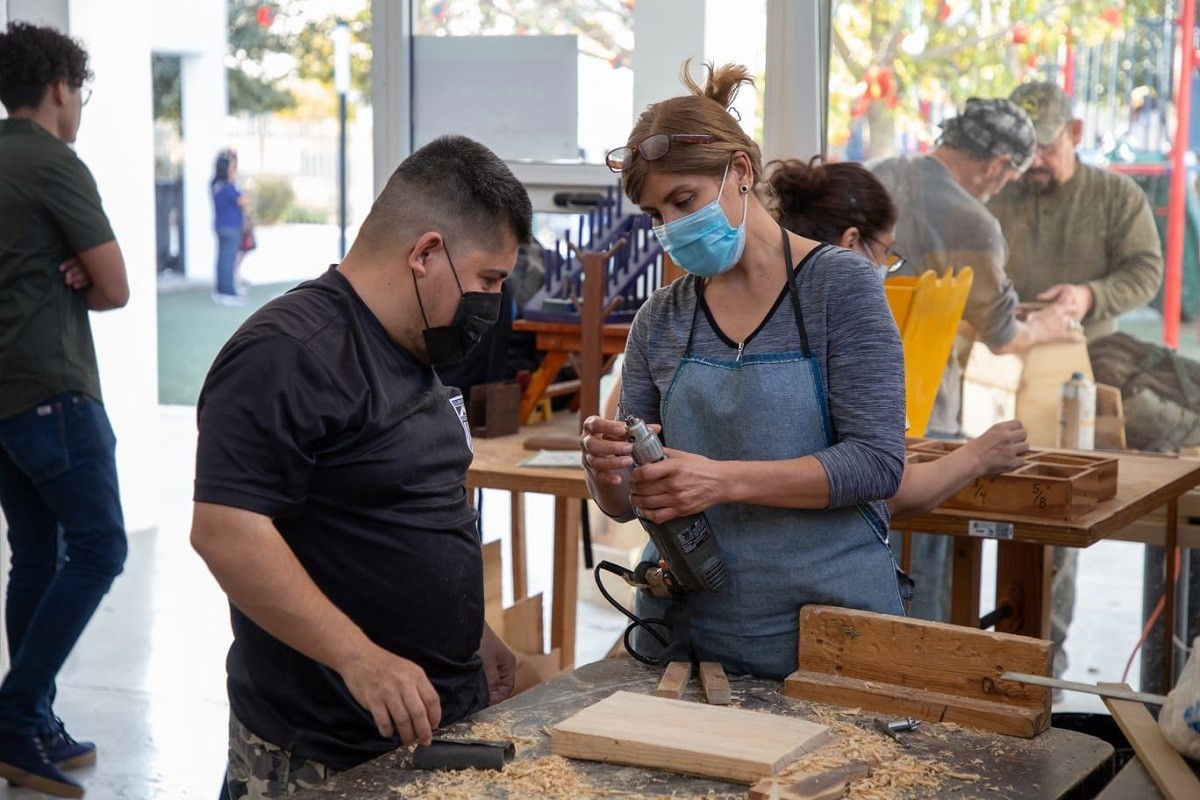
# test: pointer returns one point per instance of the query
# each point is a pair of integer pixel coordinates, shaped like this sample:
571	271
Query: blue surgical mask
703	242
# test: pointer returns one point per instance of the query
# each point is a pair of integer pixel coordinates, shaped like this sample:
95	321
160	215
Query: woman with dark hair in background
844	204
228	221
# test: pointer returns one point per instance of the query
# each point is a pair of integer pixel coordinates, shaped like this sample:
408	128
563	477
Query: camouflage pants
259	770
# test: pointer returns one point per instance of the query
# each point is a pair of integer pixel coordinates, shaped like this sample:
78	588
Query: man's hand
1054	324
499	664
74	274
396	692
1075	299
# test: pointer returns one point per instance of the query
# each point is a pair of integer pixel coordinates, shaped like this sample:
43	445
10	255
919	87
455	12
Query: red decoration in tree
1019	34
265	15
1111	15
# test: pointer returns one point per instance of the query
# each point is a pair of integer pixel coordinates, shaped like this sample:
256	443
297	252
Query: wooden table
1047	766
496	466
1023	567
558	340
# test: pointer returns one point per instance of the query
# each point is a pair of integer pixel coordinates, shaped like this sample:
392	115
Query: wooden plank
565	587
493	603
1170	772
827	785
533	669
730	744
517	545
965	581
674	680
716	685
523	631
922	655
889	698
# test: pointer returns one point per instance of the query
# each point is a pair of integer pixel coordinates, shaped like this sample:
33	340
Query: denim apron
763	408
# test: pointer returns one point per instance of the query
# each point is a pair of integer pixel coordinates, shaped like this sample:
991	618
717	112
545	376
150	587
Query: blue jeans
58	490
229	242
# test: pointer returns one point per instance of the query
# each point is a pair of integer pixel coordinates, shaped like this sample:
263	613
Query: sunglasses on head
652	147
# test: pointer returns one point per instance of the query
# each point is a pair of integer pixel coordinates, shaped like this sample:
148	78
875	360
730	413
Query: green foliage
892	56
251	90
304	215
314	51
270	198
164	71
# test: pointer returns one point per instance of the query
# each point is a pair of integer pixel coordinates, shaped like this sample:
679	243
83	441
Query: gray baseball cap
992	127
1047	105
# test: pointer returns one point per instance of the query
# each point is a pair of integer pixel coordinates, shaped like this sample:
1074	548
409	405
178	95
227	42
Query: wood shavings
546	778
892	771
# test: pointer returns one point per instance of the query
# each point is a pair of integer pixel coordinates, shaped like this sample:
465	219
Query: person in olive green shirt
58	477
1083	239
1080	237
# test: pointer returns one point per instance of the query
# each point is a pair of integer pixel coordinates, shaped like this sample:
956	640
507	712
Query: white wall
195	30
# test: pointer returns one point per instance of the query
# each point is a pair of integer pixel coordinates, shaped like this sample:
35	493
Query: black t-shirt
312	416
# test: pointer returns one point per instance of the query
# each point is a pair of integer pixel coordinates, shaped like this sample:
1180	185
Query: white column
794	111
391	86
666	33
204	99
116	142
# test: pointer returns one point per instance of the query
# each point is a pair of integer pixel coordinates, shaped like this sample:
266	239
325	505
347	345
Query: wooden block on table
716	685
931	670
674	680
827	785
522	630
729	744
1164	763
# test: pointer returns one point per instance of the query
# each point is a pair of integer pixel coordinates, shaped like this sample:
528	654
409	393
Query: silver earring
744	188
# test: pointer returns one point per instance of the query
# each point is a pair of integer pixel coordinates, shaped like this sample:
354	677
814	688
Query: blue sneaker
64	752
24	762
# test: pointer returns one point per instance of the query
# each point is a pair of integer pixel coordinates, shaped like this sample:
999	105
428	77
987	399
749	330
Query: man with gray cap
1080	237
944	224
1083	239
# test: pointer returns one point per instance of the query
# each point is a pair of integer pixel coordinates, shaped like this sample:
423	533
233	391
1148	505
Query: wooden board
729	744
931	670
828	785
674	680
523	631
1164	763
716	685
493	586
1058	484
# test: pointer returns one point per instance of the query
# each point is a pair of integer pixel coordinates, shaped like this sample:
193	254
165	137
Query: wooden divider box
1059	484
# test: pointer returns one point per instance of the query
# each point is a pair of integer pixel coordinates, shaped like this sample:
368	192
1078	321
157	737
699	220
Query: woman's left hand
681	484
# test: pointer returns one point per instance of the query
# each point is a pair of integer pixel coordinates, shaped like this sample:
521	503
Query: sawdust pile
892	771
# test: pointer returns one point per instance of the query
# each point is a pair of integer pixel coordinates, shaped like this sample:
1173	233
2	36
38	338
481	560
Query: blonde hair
705	110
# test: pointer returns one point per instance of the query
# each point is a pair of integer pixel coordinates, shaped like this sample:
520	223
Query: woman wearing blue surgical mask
844	204
775	371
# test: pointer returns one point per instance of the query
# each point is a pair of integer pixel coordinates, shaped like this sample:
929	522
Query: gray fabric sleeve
1135	254
863	370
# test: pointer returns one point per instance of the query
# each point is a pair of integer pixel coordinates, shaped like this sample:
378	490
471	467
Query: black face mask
477	313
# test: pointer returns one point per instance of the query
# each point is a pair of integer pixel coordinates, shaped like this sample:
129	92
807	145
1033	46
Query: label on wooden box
990	530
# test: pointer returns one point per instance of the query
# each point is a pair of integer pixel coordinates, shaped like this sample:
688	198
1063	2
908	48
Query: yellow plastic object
927	311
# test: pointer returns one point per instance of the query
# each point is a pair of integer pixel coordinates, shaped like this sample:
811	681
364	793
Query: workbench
496	465
1047	766
1145	482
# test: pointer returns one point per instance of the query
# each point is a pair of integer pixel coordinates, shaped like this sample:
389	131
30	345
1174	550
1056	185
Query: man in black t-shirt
59	260
330	484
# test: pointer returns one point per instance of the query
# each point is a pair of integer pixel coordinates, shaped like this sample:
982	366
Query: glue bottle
1077	418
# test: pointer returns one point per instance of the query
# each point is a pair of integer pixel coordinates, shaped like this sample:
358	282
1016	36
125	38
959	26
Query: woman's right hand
606	454
1001	448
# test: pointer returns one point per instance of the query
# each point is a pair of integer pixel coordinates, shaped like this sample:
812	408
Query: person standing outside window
229	219
58	476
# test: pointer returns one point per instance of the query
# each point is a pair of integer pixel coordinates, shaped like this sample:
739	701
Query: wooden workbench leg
552	362
566	578
517	543
1169	580
965	581
1023	574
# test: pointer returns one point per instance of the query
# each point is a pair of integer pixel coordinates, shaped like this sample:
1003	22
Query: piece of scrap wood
674	680
827	785
1171	773
729	744
716	685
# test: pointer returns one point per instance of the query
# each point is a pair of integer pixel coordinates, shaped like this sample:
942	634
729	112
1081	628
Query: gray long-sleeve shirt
1095	229
853	337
